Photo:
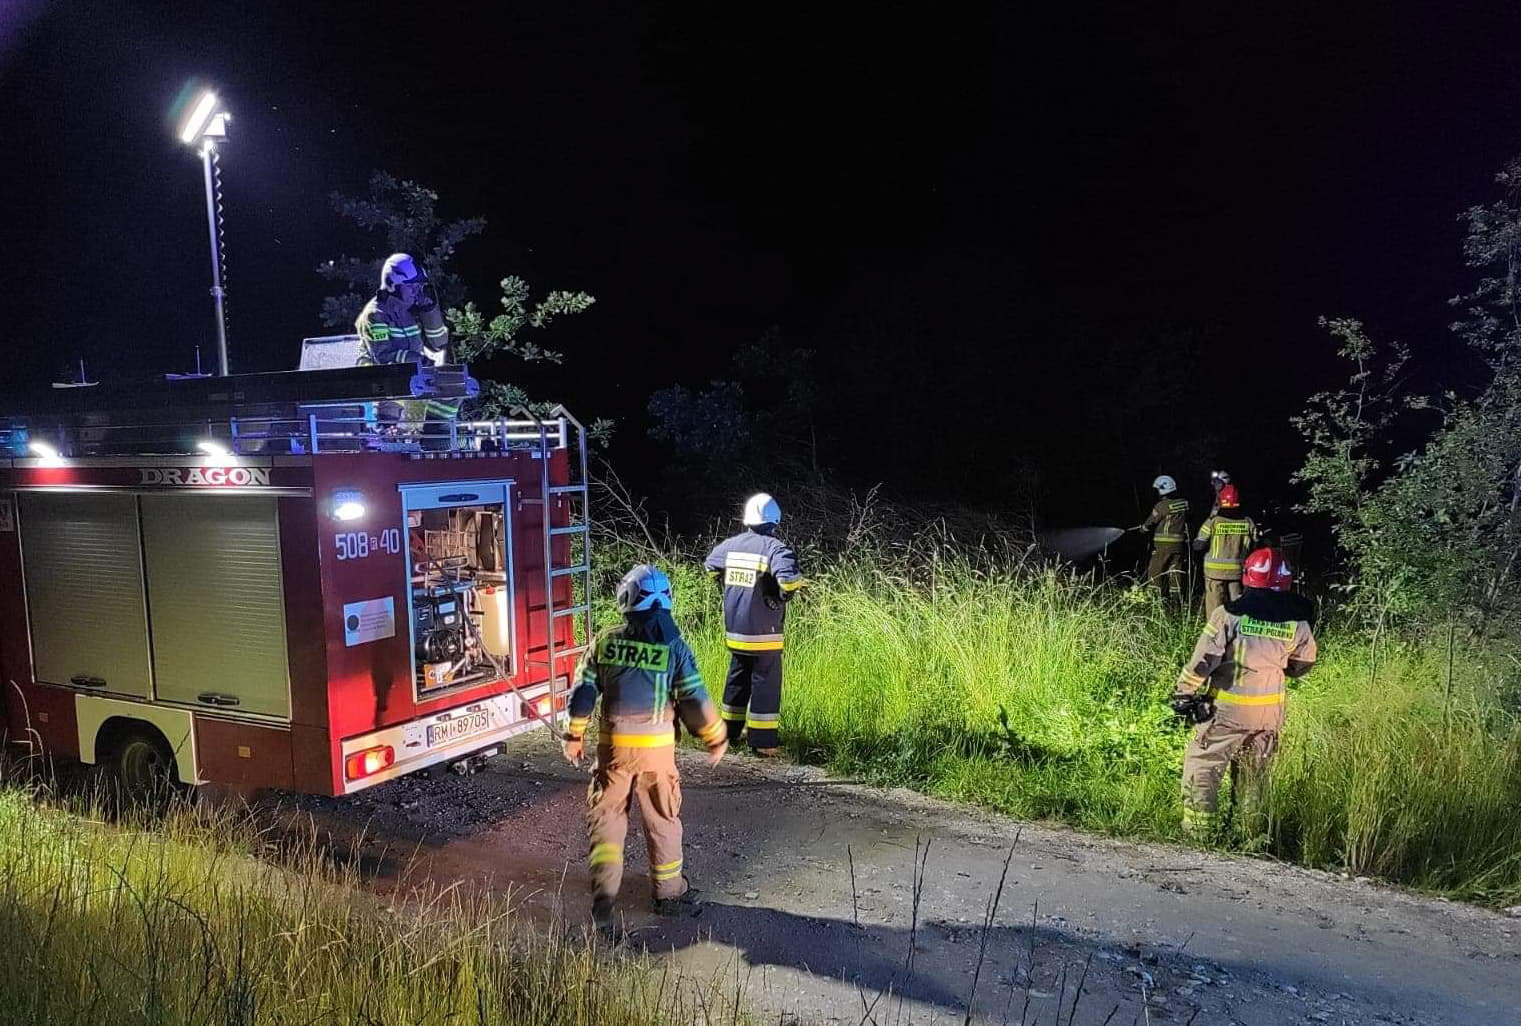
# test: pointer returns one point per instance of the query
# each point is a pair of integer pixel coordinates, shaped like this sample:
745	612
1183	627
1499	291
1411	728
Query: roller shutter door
217	606
84	590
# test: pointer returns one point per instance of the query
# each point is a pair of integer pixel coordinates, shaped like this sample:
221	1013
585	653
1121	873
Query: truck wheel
143	767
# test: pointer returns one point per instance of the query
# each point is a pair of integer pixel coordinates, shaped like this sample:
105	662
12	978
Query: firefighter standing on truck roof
1229	535
760	576
1169	541
646	676
1233	687
402	323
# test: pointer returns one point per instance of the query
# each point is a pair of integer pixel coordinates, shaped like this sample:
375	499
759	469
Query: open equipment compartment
461	589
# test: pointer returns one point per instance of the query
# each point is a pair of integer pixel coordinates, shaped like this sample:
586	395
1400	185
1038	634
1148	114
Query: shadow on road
876	958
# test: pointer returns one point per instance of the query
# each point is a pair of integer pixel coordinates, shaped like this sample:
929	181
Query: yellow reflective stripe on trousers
1227	565
667	871
763	721
754	642
644	740
608	851
732	712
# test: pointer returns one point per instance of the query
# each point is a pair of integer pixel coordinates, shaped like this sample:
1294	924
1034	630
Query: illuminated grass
1043	696
175	925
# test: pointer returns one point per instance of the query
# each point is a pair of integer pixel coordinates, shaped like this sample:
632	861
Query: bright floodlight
211	448
201	118
44	451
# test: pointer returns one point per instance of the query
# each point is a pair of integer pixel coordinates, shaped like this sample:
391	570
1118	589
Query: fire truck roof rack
351	409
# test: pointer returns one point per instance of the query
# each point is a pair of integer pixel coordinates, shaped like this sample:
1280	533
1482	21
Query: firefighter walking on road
760	576
1225	539
1168	521
1233	688
646	676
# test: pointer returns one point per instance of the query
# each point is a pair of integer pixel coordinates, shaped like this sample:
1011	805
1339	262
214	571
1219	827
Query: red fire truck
287	580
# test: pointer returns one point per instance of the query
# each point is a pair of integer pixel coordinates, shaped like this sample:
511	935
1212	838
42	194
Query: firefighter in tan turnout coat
1233	687
1225	539
646	676
1168	521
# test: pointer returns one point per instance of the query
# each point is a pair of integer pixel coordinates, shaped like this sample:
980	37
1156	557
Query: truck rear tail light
543	705
368	762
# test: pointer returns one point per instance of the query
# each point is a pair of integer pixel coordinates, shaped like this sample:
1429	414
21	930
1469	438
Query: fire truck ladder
553	434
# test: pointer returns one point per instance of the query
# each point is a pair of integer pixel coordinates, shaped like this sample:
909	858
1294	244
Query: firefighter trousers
752	702
621	777
1212	750
1218	593
1168	569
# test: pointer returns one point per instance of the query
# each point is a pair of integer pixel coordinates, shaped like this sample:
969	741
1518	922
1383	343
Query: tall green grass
178	925
1043	695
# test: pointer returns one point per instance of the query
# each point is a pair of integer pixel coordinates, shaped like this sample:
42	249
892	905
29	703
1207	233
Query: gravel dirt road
810	886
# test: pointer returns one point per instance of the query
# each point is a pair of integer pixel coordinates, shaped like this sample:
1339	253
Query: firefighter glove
572	747
1185	706
716	752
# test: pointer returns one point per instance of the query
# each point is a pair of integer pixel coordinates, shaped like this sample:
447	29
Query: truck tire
143	768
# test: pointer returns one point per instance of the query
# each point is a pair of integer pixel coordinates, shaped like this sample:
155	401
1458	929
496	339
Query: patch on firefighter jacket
1252	628
637	655
739	577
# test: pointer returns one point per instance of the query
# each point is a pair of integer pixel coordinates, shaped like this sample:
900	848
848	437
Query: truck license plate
460	725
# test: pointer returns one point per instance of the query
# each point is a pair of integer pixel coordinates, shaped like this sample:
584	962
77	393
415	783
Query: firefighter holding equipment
1225	539
646	677
760	576
402	323
1233	687
1169	540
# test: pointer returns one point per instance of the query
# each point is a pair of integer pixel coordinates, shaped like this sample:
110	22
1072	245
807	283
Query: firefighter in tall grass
760	576
1224	538
1233	688
1168	522
646	677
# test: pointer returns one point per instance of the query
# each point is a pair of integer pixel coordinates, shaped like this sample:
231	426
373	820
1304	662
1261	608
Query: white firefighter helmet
400	269
644	588
761	508
1164	485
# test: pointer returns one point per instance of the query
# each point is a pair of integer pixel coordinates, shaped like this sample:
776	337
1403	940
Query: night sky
1088	239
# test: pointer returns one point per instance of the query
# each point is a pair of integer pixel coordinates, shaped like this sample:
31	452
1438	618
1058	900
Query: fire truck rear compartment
458	553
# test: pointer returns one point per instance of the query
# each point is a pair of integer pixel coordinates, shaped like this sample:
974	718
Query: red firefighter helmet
1229	497
1266	568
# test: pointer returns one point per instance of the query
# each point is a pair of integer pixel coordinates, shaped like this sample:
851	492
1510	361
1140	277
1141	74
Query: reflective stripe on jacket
391	332
643	685
760	574
1241	663
1230	538
1170	518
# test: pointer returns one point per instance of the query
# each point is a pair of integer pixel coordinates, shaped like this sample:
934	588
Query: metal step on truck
264	581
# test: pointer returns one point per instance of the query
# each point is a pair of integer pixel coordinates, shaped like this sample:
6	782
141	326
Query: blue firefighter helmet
643	589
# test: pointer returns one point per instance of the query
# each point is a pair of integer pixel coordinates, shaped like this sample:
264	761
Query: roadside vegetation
1042	693
179	925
